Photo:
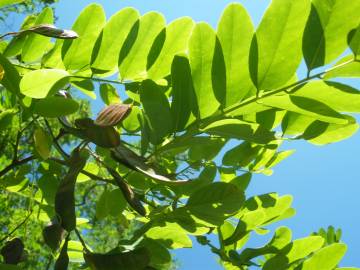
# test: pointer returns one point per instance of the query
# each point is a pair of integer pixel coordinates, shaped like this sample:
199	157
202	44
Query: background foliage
191	93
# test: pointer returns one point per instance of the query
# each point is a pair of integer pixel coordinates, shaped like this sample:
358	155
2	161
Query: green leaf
183	97
171	40
108	94
133	55
278	157
339	97
157	111
215	202
206	148
65	198
131	260
355	41
276	50
326	258
76	54
301	248
132	122
234	128
171	235
38	83
295	123
326	32
235	32
319	133
42	143
86	87
344	68
4	3
55	106
307	106
202	47
110	203
11	77
241	155
111	39
270	204
36	45
159	255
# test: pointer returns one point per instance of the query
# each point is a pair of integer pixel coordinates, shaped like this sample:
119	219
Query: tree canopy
190	114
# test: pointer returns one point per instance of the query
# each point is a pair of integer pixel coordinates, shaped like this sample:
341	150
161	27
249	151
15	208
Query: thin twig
17	227
81	239
55	140
15	164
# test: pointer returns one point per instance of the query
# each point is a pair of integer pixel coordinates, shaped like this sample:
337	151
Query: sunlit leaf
326	32
42	143
276	50
215	202
170	235
202	46
108	94
234	128
157	111
38	83
134	52
76	54
55	106
111	40
170	41
235	32
36	45
326	258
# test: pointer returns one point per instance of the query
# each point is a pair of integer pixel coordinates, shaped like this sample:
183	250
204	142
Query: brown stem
14	164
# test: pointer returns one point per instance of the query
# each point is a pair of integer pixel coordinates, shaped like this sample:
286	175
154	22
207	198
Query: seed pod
113	114
13	251
53	234
133	161
62	262
50	30
128	193
106	137
138	259
64	198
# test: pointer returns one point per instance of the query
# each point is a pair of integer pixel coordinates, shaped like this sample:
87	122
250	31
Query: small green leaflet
39	83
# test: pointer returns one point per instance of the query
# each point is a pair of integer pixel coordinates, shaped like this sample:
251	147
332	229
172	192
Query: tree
148	174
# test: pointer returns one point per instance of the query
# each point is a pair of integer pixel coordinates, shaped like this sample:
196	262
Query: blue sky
322	180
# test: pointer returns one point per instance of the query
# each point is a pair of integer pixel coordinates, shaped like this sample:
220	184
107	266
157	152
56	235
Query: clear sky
324	181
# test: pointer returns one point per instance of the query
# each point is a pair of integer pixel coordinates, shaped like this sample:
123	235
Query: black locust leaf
128	193
13	251
53	234
106	137
62	261
113	114
64	199
50	30
137	259
133	161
